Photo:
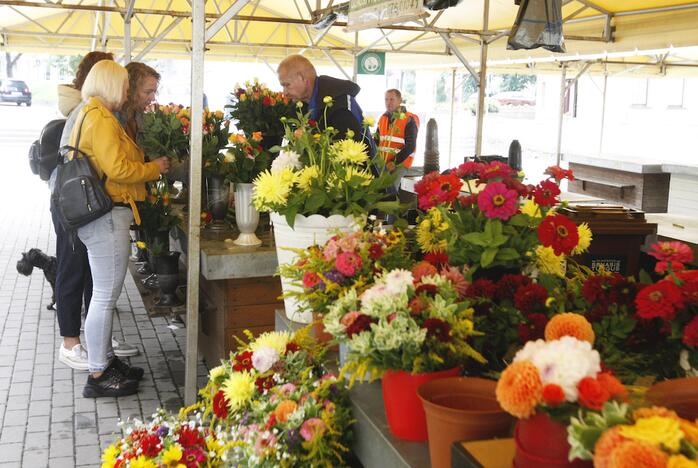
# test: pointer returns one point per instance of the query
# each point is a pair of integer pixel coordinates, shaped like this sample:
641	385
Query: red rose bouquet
256	108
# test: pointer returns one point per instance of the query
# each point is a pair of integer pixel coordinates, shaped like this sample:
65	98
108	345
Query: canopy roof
268	30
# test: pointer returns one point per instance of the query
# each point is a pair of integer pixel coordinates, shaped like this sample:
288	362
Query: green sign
371	63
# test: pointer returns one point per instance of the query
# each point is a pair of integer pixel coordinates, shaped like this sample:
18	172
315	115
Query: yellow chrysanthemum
369	121
430	232
585	237
238	389
657	431
680	461
349	152
214	445
142	462
216	372
531	209
109	456
548	262
172	455
275	340
140	244
361	173
272	188
306	176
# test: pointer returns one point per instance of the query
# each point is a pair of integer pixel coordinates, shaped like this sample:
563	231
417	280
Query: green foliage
165	132
517	82
256	108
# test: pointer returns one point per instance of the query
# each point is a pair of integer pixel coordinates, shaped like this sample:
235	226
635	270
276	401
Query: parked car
15	91
515	98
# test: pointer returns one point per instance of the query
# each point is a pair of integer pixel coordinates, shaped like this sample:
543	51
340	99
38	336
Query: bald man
300	82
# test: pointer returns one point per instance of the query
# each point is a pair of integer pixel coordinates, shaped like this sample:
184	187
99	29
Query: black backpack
43	153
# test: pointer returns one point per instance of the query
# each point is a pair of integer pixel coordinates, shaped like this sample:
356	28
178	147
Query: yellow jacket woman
114	154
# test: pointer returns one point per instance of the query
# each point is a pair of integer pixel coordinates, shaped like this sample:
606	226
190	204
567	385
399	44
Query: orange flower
519	389
257	136
606	444
654	411
613	386
553	395
569	324
284	410
422	269
633	454
690	430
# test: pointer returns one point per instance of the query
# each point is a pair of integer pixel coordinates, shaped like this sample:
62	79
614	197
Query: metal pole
194	232
563	86
355	61
603	110
450	129
127	42
482	88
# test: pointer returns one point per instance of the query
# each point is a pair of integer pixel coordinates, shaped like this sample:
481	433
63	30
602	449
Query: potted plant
216	167
320	182
410	327
255	108
247	160
548	383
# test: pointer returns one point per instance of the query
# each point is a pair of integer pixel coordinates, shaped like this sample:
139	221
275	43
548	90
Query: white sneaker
75	358
123	349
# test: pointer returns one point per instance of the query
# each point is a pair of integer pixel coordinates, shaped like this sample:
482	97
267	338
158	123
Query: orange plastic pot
542	443
403	409
680	395
461	409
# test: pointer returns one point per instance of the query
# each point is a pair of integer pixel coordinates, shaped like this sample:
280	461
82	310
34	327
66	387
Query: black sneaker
130	372
111	383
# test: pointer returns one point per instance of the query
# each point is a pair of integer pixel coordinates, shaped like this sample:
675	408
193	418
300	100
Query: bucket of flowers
410	327
320	182
165	131
551	381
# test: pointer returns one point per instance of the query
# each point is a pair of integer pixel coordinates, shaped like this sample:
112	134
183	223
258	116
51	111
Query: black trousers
73	278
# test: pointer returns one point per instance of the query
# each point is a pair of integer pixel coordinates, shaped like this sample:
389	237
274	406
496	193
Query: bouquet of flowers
256	108
280	404
347	260
156	213
560	376
165	131
649	436
415	321
318	174
483	216
246	157
215	138
169	440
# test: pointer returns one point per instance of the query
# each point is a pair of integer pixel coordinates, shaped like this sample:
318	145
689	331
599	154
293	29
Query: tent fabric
64	30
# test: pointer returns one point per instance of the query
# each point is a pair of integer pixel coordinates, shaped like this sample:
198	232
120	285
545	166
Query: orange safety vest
392	137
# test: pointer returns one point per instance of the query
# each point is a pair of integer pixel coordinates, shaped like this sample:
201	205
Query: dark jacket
344	114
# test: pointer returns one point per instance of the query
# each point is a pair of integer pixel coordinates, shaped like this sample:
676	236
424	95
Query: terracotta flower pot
542	443
459	409
680	395
404	411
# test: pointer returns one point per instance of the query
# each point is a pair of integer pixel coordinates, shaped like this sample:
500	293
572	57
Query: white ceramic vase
307	230
246	215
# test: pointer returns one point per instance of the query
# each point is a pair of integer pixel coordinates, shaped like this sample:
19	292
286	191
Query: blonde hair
106	80
297	64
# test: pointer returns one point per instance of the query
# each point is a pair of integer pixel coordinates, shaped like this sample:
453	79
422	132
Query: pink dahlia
497	201
313	428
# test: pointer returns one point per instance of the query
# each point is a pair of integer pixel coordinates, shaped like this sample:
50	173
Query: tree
10	63
517	82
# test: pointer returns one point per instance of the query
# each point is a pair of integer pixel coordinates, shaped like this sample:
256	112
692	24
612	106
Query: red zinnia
151	445
530	298
672	252
661	300
496	170
553	395
422	269
438	329
375	251
592	394
190	437
438	259
690	333
534	329
481	288
193	457
595	289
508	284
310	279
264	383
292	347
545	194
361	323
469	170
559	232
559	173
348	263
428	289
242	361
220	405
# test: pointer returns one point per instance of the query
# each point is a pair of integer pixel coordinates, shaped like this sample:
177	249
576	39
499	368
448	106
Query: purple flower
335	276
293	438
163	431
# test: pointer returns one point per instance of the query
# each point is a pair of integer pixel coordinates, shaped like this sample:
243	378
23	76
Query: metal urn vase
217	197
246	215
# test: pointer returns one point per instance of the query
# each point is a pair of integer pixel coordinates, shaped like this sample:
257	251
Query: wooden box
618	233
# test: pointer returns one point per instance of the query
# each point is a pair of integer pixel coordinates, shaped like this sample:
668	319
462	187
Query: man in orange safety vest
397	135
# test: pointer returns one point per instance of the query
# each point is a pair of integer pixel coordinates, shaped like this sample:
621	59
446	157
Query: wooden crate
231	306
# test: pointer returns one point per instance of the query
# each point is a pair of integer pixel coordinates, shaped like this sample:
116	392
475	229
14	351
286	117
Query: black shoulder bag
79	193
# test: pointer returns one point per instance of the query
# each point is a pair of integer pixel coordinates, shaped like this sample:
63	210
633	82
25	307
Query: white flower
397	281
286	159
373	294
216	372
563	362
229	157
264	357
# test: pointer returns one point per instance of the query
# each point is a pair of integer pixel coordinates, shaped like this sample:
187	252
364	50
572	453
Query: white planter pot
246	215
314	229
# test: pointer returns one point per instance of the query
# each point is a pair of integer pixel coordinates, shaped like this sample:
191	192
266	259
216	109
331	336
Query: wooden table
494	453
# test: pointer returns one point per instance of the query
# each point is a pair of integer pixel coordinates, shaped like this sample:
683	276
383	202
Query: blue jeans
107	241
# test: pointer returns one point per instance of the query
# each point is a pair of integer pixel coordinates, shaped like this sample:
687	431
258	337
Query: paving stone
62	399
63	462
38	423
17	402
62	414
86	421
107	425
107	410
11	452
37	440
41	393
39	408
35	458
87	437
10	465
15	418
83	405
12	436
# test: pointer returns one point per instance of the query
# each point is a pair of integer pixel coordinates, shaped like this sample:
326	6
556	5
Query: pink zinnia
672	252
497	201
264	441
348	263
310	279
193	457
313	428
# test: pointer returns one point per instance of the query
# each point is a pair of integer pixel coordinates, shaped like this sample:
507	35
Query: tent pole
603	110
194	228
127	42
482	88
563	89
450	130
